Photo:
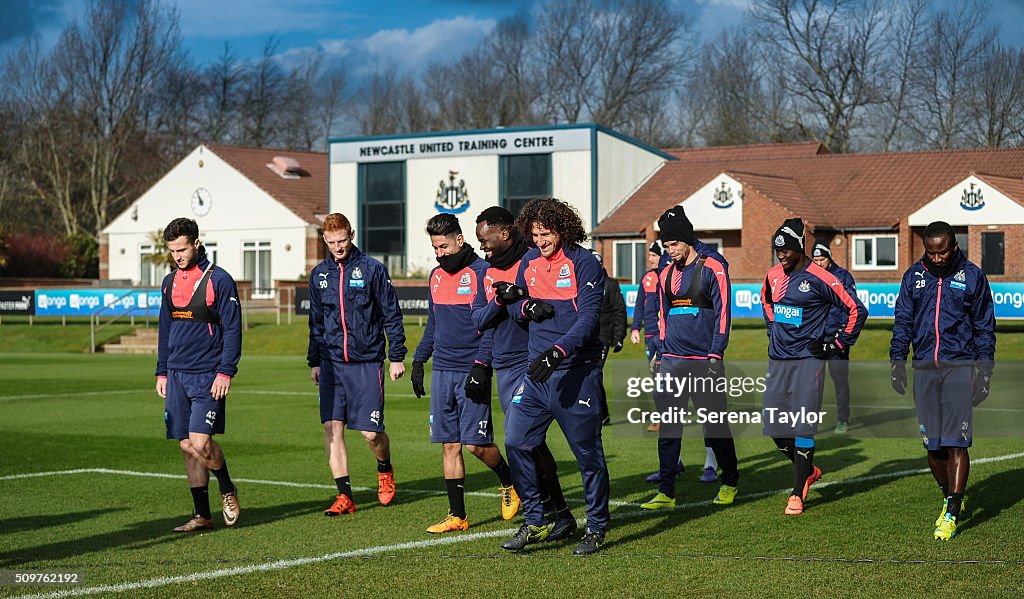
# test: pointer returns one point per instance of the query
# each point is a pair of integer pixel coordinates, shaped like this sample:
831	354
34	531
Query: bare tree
46	126
391	104
299	126
641	52
728	83
262	93
177	115
111	66
830	52
509	50
221	98
596	60
888	119
996	105
653	120
953	49
567	43
331	100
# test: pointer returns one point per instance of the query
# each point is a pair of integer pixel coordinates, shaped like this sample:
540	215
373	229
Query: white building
257	211
389	186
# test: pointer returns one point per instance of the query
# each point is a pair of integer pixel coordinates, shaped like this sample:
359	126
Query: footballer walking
200	343
797	297
945	311
694	327
558	291
505	247
352	307
460	384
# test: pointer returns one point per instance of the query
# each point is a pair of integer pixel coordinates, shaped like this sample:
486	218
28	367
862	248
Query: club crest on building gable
723	197
452	198
972	199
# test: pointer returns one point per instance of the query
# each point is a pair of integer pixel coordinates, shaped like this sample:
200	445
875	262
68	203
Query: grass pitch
88	483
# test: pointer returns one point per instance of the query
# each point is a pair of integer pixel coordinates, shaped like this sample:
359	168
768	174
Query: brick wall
104	256
749	251
316	251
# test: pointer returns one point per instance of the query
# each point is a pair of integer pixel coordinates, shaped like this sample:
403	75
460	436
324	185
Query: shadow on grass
140	535
12	525
991	496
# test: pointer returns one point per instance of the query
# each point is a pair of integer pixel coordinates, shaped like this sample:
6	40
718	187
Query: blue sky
407	33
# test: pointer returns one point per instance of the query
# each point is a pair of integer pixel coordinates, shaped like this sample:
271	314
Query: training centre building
259	213
872	207
389	186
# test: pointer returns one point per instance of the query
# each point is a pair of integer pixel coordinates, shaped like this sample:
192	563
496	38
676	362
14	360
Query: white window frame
211	251
874	251
149	249
257	246
633	244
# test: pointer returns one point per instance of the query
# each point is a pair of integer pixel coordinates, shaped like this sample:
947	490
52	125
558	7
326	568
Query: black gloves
898	376
537	310
825	347
478	383
618	347
716	368
982	379
417	379
541	368
507	293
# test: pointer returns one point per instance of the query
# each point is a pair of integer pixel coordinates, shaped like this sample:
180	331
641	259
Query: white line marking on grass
50	473
270	482
278	565
76	394
433	542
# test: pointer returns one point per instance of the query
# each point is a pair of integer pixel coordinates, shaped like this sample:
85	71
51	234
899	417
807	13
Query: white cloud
410	51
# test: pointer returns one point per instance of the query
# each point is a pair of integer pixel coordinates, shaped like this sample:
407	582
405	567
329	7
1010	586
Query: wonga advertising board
879	298
84	302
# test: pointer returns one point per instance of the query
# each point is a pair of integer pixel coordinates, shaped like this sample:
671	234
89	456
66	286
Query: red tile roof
827	190
1012	187
305	196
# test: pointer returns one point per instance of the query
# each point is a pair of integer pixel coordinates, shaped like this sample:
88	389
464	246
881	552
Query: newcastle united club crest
452	198
972	199
723	197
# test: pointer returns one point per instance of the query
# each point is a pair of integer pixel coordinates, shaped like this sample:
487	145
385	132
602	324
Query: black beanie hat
654	248
790	236
675	226
821	249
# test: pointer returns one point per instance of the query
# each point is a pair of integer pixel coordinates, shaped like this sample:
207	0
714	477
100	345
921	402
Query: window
992	247
151	272
211	251
382	220
715	243
523	178
961	240
630	260
874	252
256	261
